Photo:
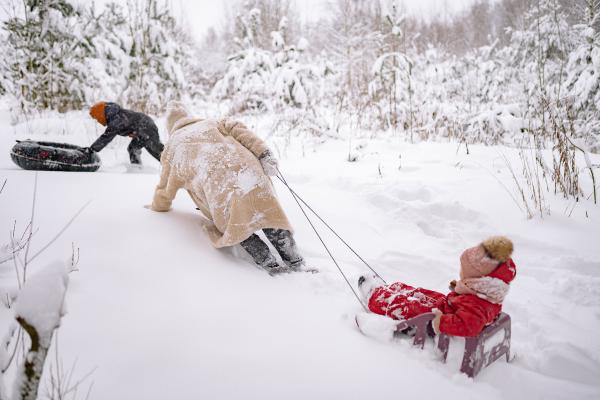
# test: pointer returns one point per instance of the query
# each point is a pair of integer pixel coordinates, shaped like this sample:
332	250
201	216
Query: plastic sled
475	357
50	156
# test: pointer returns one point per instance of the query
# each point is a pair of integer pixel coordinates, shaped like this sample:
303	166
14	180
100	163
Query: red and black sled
50	156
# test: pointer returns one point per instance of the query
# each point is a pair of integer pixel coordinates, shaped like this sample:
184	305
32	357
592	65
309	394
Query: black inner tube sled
51	156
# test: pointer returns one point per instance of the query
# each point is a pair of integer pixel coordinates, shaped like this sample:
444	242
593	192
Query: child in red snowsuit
475	300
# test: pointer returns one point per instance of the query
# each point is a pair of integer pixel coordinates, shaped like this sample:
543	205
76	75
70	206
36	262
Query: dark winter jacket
120	121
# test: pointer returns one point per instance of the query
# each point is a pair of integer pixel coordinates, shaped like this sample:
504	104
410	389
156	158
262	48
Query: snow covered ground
161	314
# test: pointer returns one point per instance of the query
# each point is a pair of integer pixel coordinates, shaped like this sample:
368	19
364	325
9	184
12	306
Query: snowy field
157	313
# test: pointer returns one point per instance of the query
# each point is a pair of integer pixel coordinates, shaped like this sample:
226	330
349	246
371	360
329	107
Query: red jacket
463	314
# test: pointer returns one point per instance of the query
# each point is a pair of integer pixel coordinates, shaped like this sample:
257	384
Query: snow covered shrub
492	126
44	60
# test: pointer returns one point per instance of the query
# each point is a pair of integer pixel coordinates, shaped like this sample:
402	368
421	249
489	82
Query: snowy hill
161	314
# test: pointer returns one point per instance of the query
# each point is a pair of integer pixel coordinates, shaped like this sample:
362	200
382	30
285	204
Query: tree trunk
33	366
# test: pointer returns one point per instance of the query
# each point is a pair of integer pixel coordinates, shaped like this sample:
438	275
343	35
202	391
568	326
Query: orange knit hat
97	112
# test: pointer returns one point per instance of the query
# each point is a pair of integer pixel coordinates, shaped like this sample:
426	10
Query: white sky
203	14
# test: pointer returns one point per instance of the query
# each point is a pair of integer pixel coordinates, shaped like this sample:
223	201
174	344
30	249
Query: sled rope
298	199
328	226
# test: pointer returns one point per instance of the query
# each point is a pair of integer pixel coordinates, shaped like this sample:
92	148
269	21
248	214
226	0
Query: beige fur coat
217	163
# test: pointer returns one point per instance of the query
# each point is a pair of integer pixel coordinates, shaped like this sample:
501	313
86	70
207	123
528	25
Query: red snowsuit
462	314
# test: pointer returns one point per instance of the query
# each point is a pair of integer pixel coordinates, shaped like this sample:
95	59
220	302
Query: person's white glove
269	163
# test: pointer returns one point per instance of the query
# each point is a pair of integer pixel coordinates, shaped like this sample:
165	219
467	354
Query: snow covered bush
492	126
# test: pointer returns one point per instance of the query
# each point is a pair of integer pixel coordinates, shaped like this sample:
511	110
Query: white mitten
269	163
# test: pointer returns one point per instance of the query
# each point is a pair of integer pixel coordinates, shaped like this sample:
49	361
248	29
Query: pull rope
282	179
298	199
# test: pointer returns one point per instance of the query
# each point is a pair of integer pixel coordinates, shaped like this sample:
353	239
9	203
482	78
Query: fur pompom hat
481	260
97	111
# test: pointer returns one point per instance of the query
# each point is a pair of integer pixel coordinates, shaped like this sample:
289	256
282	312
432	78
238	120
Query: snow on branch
38	310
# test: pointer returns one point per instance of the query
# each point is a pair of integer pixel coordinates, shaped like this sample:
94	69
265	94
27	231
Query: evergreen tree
155	73
293	80
583	80
112	44
541	50
44	65
249	70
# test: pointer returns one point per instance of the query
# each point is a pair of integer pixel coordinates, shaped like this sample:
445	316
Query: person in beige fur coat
225	168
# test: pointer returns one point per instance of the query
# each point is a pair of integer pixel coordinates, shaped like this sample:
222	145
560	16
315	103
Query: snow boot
376	326
284	243
366	285
260	253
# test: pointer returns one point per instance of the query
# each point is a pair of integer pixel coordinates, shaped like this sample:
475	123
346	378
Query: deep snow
161	314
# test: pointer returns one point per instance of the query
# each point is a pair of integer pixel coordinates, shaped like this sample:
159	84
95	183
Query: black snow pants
151	144
284	243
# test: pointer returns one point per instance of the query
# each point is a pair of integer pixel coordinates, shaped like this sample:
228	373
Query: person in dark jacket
119	121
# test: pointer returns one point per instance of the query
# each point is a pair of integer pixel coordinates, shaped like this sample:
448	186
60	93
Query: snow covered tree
583	81
267	16
353	46
541	50
112	43
155	73
44	66
293	80
246	81
393	84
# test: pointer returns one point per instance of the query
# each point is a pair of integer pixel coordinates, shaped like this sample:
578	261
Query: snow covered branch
38	310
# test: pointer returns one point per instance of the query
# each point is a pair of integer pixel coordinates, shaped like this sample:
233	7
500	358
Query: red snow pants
401	301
